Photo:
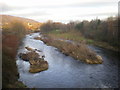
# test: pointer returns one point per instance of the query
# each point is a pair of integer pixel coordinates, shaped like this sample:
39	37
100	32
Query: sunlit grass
72	35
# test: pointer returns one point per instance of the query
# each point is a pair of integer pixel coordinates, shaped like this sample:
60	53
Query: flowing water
64	71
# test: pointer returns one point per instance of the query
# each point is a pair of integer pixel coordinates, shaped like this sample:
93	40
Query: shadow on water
65	72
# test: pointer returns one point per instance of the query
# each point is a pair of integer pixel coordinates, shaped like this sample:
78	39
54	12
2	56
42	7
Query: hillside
29	24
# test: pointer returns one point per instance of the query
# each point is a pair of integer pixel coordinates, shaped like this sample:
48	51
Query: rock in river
29	49
23	56
36	64
29	56
98	60
41	65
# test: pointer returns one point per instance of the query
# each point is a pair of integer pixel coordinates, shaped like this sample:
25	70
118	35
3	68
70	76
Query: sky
60	10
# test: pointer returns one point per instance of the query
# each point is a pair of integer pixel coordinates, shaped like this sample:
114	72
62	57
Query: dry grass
10	43
9	69
78	37
77	51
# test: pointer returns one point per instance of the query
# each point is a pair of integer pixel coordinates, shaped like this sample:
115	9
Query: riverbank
11	39
10	74
78	37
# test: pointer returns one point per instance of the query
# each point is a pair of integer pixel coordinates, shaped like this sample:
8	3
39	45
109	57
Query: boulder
89	61
37	38
37	61
38	66
98	57
29	56
29	49
23	56
93	61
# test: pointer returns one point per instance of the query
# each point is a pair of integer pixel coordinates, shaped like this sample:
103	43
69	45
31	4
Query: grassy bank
77	36
11	39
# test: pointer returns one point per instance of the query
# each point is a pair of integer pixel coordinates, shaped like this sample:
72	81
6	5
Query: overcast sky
60	10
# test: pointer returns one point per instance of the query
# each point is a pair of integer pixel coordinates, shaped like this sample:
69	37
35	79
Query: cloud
98	14
92	4
5	7
36	13
59	10
119	8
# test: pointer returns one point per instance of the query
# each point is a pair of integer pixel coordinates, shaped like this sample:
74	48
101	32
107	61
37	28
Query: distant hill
30	24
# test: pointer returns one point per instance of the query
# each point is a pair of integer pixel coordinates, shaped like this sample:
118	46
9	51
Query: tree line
100	30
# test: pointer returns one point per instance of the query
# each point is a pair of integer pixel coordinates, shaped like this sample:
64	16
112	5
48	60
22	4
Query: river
64	71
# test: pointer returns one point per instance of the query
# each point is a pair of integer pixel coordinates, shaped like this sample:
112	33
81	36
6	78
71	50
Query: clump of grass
89	41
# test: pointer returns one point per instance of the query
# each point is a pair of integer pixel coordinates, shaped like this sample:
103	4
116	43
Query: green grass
77	37
72	35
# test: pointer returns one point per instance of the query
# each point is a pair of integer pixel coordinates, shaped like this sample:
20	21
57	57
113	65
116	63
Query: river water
64	71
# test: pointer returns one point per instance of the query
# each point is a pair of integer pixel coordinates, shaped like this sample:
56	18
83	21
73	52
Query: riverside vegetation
14	30
11	39
103	33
